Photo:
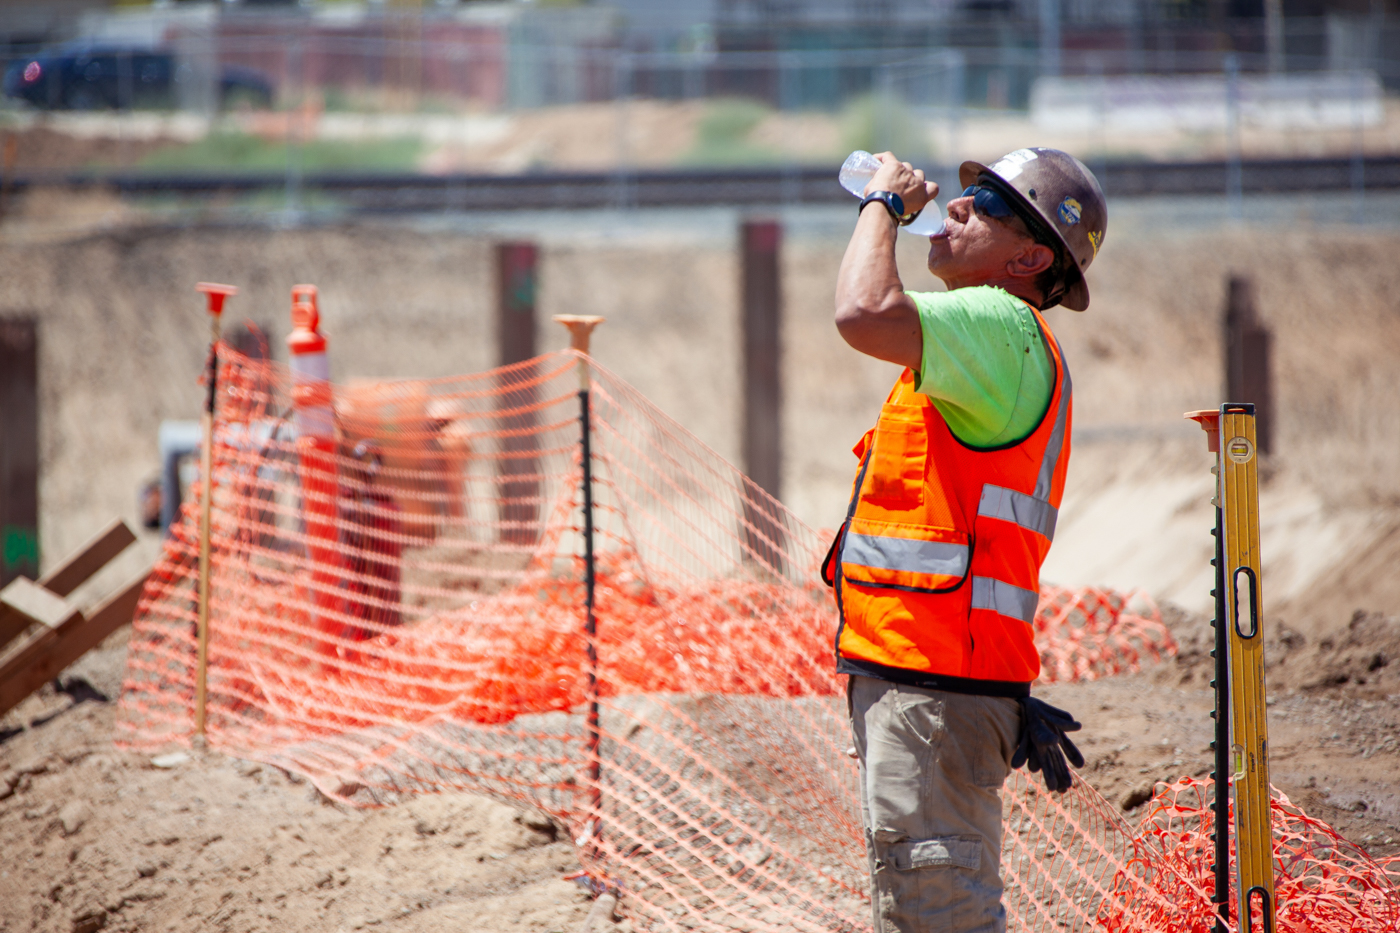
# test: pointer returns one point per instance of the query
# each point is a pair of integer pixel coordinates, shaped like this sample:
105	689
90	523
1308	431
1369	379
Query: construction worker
936	568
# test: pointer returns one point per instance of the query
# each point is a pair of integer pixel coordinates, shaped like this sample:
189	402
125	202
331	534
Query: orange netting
1321	881
400	609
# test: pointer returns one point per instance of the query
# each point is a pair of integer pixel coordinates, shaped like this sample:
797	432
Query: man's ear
1032	260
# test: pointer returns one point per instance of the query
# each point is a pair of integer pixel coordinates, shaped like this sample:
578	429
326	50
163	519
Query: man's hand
904	180
1043	744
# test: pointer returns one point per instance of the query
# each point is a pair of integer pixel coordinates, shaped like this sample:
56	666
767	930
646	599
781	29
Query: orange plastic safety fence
1322	882
400	609
1084	634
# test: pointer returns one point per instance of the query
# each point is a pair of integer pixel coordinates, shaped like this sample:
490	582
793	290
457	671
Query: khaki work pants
931	769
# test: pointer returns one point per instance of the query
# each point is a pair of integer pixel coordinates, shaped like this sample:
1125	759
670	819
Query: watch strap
892	202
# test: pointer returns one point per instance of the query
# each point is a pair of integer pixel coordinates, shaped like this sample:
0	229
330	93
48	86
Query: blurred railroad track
416	193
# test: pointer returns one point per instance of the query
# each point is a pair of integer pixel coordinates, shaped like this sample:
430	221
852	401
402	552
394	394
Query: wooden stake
215	294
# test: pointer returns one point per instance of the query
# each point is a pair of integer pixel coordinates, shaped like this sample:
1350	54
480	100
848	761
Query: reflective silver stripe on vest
1004	599
1056	443
1017	507
1035	511
905	554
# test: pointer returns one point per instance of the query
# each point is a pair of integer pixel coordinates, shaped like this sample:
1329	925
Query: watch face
893	203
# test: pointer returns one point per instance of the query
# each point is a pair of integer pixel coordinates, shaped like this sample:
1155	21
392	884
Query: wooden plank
25	602
44	656
90	558
14	675
39	604
12	625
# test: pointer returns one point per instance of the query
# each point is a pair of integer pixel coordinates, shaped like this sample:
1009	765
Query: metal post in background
580	330
1358	152
214	295
1135	50
1096	70
693	74
789	101
884	109
1234	174
957	97
295	115
1050	38
789	81
126	90
1274	35
622	92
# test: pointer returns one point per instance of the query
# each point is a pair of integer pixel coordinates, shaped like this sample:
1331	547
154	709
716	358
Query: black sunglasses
988	202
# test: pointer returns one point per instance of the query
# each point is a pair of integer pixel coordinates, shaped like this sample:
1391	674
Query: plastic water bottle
856	172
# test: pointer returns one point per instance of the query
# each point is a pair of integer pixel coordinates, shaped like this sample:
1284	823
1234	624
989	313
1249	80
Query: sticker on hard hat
1009	165
1070	211
1239	449
1096	239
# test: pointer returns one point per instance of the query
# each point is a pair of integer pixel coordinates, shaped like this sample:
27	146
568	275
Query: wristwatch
893	203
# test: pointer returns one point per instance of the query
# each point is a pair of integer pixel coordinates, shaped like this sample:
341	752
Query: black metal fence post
1221	683
580	328
590	623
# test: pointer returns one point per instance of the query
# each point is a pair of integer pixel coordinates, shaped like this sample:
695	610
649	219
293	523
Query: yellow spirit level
1242	735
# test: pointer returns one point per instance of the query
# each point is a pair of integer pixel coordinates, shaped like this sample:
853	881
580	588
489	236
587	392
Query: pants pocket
1000	731
938	883
939	852
922	715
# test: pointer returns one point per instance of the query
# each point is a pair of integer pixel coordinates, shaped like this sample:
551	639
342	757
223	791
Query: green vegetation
880	122
336	99
231	151
722	137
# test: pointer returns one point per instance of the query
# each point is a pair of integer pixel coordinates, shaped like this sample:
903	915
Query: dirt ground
97	838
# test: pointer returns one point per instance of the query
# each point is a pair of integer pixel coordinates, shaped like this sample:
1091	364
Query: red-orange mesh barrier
1085	634
401	609
1322	882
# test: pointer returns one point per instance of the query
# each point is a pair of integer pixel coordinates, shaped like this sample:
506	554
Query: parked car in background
89	76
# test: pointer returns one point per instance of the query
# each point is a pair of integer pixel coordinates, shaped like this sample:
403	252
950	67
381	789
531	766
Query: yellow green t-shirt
985	366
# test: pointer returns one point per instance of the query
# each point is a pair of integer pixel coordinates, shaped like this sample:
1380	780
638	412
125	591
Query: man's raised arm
872	312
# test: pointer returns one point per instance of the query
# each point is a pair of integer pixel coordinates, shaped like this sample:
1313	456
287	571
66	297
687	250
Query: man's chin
938	253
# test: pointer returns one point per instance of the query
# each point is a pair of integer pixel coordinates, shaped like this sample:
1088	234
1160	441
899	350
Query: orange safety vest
937	567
